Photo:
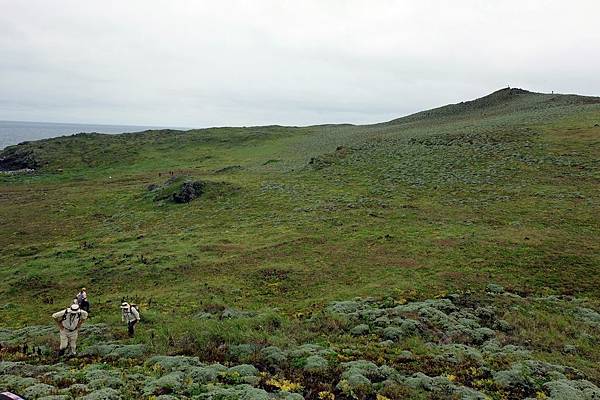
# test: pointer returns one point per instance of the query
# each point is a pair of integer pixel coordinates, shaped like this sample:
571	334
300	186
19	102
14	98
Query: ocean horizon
14	132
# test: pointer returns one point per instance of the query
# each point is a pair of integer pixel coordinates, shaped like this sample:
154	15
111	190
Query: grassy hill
503	189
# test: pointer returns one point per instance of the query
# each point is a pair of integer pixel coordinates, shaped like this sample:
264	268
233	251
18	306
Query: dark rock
18	158
188	192
183	189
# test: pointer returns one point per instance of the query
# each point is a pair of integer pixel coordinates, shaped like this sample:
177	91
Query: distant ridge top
499	96
511	91
500	102
496	98
503	93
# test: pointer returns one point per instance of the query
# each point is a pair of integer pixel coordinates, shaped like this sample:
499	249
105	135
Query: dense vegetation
289	221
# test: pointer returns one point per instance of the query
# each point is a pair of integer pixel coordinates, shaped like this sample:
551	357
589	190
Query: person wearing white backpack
131	315
69	321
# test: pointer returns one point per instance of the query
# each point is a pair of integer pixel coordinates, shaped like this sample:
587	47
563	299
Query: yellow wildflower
326	395
285	385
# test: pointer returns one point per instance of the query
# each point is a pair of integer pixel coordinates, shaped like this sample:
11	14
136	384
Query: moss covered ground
504	190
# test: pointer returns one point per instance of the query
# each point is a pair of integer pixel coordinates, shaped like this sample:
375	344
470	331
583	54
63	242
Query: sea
14	132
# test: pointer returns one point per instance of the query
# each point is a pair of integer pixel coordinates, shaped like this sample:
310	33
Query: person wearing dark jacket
82	300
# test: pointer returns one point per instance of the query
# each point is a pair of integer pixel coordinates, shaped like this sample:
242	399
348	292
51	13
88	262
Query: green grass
503	190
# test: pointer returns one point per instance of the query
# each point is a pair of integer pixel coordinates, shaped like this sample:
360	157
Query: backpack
131	307
66	314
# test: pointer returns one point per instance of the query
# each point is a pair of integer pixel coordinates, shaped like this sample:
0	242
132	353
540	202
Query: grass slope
500	189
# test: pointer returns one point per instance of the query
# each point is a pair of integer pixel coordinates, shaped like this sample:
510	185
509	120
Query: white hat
124	305
74	308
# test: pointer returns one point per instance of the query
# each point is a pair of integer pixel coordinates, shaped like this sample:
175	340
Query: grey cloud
190	63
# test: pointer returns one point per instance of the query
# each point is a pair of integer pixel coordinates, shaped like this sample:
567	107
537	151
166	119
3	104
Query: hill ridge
33	155
498	101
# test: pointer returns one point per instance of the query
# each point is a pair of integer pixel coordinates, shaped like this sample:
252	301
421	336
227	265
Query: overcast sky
214	63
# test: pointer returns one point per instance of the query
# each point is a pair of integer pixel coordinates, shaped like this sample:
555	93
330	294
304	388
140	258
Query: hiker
131	315
69	321
82	300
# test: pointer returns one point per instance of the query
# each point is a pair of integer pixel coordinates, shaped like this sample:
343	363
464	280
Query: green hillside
499	190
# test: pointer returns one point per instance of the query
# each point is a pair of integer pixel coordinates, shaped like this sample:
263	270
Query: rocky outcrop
184	189
17	158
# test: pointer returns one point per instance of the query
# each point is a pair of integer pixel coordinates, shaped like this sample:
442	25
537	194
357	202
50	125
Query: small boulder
494	288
